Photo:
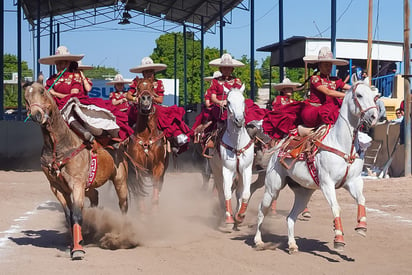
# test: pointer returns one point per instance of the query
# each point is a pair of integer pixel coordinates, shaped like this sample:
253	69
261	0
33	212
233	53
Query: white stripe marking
383	213
16	228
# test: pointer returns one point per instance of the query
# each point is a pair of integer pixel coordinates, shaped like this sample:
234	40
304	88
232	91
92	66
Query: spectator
381	108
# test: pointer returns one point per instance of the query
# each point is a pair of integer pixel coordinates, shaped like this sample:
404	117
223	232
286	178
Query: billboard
101	90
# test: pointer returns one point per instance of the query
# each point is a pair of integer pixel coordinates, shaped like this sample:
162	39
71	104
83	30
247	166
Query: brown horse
147	147
66	162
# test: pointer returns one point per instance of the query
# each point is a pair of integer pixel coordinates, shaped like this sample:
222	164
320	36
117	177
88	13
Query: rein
55	165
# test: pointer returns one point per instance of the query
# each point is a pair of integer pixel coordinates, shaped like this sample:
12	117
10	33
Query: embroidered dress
170	118
111	119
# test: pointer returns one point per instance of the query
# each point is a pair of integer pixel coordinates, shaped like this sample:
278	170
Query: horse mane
58	125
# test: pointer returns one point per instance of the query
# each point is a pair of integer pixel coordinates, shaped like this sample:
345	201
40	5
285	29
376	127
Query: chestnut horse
66	162
147	148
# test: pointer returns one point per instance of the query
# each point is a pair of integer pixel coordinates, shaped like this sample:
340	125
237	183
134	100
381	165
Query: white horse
235	160
337	164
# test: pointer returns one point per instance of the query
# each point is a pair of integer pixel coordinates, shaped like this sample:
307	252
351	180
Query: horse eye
359	96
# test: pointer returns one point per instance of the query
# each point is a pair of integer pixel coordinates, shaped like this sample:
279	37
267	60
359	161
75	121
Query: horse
69	164
234	161
147	149
337	164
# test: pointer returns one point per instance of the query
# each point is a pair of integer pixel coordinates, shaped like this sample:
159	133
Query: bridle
43	109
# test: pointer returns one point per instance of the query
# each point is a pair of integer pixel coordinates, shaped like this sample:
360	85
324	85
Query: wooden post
407	93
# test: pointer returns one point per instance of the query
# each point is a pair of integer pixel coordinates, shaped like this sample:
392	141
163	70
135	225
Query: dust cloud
184	215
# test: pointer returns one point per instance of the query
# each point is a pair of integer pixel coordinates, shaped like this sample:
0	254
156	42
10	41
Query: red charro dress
69	81
285	116
170	118
124	106
252	110
320	108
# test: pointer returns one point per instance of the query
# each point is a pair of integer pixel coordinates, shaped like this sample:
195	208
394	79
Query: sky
124	46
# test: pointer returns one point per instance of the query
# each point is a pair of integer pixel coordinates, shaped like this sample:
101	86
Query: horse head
362	104
39	102
145	94
236	106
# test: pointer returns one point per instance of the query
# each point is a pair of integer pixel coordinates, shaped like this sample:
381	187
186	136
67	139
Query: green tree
10	67
100	72
164	53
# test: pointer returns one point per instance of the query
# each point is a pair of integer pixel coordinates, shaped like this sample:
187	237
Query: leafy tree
100	72
10	67
164	53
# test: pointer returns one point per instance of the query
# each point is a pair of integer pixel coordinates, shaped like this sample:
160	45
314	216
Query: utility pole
369	58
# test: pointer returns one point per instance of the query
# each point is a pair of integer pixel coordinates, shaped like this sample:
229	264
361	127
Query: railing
384	84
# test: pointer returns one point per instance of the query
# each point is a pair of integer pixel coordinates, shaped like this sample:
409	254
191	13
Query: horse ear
40	78
242	89
353	79
225	89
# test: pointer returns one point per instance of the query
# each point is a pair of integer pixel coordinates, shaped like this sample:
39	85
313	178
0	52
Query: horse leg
65	201
329	192
158	171
245	196
228	176
302	197
273	185
93	196
120	184
355	188
78	194
206	174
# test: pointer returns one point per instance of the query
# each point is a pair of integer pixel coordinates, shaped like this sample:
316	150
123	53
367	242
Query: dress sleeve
160	90
315	81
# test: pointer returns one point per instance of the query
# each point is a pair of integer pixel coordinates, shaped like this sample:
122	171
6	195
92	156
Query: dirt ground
182	237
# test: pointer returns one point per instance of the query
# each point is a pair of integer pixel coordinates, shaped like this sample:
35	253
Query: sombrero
62	53
147	64
325	55
118	79
216	74
286	83
83	67
226	61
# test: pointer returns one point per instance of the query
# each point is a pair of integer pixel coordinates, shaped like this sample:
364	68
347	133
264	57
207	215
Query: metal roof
189	12
296	47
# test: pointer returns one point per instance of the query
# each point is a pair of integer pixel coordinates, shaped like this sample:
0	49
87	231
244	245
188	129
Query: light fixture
126	15
125	21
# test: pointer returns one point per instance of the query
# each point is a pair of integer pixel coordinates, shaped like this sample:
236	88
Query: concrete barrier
20	145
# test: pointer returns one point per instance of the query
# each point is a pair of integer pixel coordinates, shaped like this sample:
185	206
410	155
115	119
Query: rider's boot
304	131
81	131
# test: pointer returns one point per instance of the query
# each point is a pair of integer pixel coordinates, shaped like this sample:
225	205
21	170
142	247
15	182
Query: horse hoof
338	246
239	218
78	255
306	214
361	231
259	246
226	227
293	250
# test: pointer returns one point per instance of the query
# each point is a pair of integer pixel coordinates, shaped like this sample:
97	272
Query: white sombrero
325	55
83	67
118	79
286	83
226	61
147	64
62	53
216	74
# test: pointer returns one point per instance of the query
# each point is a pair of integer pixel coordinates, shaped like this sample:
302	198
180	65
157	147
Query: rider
226	65
118	96
202	118
282	108
170	119
78	68
326	91
67	89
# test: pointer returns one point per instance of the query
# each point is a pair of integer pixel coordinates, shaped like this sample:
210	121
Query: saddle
300	148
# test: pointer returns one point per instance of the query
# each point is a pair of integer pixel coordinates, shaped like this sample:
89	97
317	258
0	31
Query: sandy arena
182	237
